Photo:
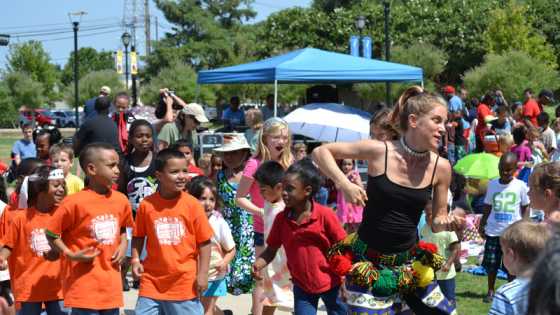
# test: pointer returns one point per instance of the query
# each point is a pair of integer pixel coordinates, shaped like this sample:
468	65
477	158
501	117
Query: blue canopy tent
311	65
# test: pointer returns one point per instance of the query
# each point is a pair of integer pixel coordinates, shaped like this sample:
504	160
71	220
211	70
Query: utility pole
157	29
387	15
147	26
76	18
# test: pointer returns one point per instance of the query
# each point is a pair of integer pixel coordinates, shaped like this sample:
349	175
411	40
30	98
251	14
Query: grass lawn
469	292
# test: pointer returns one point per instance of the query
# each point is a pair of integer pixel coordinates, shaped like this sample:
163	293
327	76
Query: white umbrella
329	122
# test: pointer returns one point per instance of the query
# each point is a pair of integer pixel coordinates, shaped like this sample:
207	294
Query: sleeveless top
392	213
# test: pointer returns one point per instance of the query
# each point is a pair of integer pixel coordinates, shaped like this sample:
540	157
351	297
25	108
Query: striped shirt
511	298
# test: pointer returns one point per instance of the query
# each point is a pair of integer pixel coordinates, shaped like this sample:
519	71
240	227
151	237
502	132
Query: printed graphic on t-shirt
138	189
38	242
169	230
504	206
104	229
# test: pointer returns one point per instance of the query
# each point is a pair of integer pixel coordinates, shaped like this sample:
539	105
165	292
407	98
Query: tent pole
422	83
275	97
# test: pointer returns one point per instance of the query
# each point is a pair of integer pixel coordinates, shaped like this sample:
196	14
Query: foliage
8	112
89	86
512	72
510	29
24	90
181	78
206	34
31	58
426	56
547	20
89	60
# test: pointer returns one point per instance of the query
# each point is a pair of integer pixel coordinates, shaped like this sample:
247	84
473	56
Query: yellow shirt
73	184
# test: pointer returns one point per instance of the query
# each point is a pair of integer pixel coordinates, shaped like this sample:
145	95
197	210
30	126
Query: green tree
32	59
181	78
24	90
206	34
89	60
90	83
546	19
512	72
510	29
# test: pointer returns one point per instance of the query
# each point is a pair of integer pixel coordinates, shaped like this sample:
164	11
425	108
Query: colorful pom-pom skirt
401	283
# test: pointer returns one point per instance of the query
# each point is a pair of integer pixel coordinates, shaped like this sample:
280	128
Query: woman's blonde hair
272	126
414	101
254	118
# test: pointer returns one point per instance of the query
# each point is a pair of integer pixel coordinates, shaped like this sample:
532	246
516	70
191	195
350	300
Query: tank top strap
434	172
386	153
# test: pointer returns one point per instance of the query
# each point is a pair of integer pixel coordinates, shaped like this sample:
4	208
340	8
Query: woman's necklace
412	152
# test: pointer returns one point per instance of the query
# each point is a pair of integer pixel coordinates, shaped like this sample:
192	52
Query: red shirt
531	109
306	246
481	112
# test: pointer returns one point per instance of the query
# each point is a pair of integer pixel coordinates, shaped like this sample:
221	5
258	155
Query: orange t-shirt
6	218
531	109
173	229
34	278
86	219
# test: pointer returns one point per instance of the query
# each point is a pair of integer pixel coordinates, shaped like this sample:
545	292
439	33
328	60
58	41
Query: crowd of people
260	216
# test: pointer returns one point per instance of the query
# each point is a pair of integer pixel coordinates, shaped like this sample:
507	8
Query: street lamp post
76	61
126	41
386	15
134	86
360	24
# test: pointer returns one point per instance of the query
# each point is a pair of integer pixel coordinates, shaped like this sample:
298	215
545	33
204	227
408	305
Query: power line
82	30
62	30
55	24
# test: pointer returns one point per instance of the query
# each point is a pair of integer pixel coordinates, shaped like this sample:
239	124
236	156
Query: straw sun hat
233	142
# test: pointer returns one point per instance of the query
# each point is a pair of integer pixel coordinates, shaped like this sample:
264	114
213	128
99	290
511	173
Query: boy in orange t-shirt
178	235
37	280
92	227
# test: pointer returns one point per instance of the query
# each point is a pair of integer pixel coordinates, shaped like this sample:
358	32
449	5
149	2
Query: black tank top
392	213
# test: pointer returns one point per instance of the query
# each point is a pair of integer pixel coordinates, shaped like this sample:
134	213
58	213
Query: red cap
448	89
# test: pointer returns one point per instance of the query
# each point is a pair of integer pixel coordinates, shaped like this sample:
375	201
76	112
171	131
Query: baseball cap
105	89
548	94
197	111
448	89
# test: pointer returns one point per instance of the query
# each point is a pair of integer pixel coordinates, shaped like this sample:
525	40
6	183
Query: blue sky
101	28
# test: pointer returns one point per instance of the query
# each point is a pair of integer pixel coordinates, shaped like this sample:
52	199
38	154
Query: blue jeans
35	308
148	306
448	288
88	311
306	303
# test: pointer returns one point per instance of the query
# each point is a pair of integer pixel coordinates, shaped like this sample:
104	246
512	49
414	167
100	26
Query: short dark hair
54	134
181	143
102	103
543	119
501	109
26	126
165	155
270	174
122	94
528	90
90	151
307	173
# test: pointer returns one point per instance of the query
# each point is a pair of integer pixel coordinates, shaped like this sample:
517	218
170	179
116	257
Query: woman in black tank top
387	270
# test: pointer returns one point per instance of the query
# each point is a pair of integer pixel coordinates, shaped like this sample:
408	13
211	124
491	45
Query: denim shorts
149	306
259	239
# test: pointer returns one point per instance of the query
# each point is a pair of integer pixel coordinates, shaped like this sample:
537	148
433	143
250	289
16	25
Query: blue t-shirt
25	149
234	119
455	104
511	298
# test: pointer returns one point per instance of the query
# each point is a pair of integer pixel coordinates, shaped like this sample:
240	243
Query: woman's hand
450	222
354	194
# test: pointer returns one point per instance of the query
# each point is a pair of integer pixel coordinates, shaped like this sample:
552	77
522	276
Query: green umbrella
478	165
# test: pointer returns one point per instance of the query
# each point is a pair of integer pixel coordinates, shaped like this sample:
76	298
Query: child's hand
222	267
85	255
137	270
119	255
201	283
51	255
257	267
445	267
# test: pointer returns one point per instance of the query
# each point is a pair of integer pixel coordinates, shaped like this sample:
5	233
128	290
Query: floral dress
239	279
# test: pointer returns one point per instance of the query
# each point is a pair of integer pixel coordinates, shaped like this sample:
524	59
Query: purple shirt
522	151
